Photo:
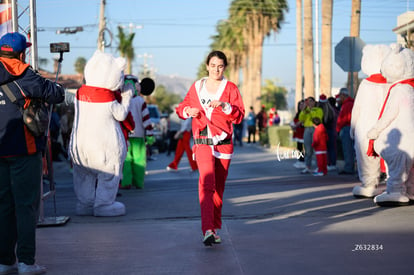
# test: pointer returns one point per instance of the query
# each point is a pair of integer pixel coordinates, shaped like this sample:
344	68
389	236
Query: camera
62	47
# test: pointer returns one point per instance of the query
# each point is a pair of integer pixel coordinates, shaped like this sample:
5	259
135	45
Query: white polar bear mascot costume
98	147
394	131
367	106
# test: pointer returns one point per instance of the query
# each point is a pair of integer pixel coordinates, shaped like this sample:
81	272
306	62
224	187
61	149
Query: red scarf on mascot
101	95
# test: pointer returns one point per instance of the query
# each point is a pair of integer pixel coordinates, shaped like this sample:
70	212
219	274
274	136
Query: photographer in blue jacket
20	157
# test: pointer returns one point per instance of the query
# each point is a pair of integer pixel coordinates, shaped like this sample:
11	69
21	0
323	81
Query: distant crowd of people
317	126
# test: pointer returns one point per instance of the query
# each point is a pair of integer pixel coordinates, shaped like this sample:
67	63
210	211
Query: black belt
209	141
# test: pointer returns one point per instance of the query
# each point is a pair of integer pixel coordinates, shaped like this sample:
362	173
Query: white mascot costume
394	131
367	107
98	146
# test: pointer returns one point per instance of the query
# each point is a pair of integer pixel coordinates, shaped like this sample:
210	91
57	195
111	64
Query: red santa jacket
219	123
320	138
344	117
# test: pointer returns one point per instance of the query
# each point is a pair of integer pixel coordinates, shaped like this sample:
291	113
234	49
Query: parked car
155	116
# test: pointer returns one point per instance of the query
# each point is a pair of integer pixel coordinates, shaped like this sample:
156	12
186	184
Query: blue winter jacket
15	139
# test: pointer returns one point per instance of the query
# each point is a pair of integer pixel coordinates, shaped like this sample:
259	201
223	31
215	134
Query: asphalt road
275	221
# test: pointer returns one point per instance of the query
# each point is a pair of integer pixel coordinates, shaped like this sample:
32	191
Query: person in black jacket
20	157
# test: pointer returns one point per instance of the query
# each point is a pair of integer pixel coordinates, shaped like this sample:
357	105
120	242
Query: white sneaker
33	269
305	171
331	167
171	169
7	269
299	165
318	174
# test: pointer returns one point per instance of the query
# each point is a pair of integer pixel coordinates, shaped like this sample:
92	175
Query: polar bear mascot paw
369	191
115	209
392	199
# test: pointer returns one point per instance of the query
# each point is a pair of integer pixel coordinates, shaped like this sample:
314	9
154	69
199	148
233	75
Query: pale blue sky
177	34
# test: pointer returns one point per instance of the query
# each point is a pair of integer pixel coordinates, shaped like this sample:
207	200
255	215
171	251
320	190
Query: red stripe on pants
213	175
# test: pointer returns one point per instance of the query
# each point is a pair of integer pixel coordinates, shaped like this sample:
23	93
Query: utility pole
299	53
102	26
317	73
15	22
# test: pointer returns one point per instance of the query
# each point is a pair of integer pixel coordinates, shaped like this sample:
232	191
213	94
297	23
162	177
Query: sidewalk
275	221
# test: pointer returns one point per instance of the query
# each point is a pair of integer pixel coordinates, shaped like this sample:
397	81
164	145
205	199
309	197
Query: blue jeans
348	149
307	142
331	146
20	179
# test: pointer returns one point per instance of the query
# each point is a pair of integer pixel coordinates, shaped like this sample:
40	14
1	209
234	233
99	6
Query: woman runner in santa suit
215	104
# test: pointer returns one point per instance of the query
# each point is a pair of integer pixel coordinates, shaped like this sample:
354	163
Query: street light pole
33	34
102	26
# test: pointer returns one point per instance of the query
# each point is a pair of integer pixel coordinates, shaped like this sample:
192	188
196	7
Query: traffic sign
348	53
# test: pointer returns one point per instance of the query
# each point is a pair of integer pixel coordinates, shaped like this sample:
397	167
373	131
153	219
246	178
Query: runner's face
216	68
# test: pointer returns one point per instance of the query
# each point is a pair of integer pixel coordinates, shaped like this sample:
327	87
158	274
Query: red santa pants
183	144
322	161
213	175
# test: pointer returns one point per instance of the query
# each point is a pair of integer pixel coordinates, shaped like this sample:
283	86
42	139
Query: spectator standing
251	126
262	120
184	139
330	115
306	115
136	159
276	119
319	144
298	130
20	158
238	133
343	127
54	130
66	123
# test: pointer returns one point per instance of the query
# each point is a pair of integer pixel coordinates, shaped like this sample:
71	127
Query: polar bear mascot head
372	57
399	64
105	71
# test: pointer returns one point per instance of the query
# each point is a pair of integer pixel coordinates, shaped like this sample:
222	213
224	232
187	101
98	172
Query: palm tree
126	48
80	64
308	49
326	48
299	52
355	27
231	43
258	19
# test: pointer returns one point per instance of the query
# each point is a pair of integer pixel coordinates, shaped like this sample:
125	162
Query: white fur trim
217	139
221	155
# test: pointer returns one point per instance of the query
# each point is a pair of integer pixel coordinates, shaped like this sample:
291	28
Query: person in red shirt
183	145
343	127
298	131
319	144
